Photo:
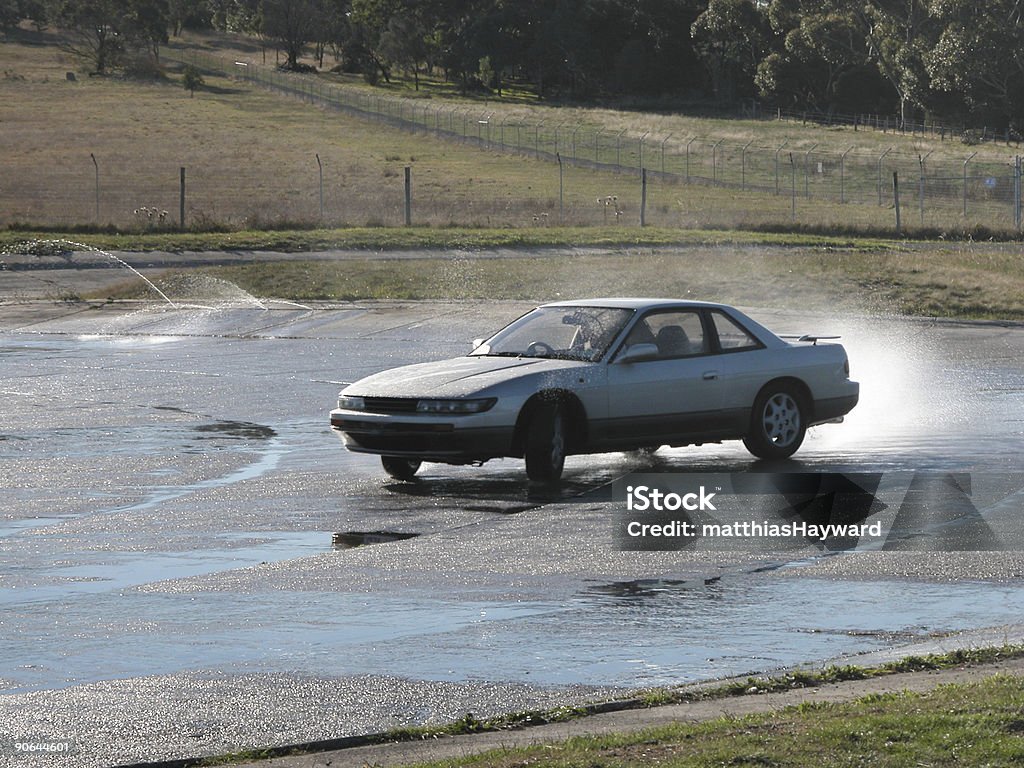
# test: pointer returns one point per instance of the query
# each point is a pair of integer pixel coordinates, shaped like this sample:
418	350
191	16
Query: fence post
792	186
1017	192
783	144
965	181
743	164
807	171
842	176
714	162
688	158
321	167
408	196
880	159
920	162
561	189
663	142
896	199
97	166
643	197
642	140
181	199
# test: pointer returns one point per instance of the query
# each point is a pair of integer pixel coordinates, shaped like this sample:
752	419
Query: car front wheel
777	425
545	443
400	468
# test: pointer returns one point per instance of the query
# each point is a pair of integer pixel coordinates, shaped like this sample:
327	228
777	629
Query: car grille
390	404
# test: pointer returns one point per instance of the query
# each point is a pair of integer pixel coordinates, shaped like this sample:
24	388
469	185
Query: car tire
546	435
778	423
400	468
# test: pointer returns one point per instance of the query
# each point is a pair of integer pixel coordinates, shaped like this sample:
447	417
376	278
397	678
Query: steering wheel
540	349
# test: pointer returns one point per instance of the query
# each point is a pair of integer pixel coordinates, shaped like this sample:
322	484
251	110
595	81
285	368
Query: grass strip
874	725
973	724
976	283
412	238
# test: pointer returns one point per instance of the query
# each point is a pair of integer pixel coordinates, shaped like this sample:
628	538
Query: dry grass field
251	159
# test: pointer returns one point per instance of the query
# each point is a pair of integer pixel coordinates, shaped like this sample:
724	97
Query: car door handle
710	375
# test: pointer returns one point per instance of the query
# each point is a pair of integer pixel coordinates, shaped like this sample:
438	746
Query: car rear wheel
777	424
400	468
545	443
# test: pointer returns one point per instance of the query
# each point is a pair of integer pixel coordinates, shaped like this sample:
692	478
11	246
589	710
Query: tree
562	49
980	54
899	34
188	13
93	31
241	16
10	15
102	32
731	39
291	23
842	47
651	44
144	26
191	78
403	44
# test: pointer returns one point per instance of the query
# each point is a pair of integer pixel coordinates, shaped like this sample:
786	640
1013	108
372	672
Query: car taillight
846	367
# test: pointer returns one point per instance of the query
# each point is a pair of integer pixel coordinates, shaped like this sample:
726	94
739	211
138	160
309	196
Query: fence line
894	124
733	184
853	176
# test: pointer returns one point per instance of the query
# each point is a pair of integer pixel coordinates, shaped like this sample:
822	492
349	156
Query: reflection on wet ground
173	500
626	633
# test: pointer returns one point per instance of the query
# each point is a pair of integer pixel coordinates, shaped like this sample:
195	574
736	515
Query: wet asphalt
172	581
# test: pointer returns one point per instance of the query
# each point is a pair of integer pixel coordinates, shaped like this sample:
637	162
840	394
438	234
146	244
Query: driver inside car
591	339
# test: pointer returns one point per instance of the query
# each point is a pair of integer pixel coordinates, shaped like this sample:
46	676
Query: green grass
801	734
413	238
976	725
953	281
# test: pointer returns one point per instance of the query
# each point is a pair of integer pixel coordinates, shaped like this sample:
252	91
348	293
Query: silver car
599	375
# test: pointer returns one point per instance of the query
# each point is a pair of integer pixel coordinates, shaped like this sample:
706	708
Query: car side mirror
637	353
477	343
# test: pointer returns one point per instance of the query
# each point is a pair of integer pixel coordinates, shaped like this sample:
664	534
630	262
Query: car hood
454	378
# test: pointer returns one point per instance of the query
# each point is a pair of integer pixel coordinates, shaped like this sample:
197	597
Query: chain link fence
689	180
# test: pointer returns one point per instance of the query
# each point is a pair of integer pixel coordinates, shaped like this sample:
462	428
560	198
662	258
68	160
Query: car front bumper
455	441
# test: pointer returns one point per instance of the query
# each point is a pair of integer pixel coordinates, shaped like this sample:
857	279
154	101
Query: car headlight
456	406
351	403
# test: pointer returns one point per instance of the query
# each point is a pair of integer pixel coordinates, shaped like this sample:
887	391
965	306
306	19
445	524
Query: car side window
675	334
731	337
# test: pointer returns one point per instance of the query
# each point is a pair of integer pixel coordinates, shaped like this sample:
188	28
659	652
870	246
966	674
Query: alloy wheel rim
781	420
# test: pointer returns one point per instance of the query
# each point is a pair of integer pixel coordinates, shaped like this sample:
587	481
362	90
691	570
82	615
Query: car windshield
565	333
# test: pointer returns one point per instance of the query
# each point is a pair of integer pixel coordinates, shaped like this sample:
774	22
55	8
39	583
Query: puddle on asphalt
117	571
237	430
352	539
640	588
631	634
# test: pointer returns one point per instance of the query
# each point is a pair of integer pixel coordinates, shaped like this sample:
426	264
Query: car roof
636	303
